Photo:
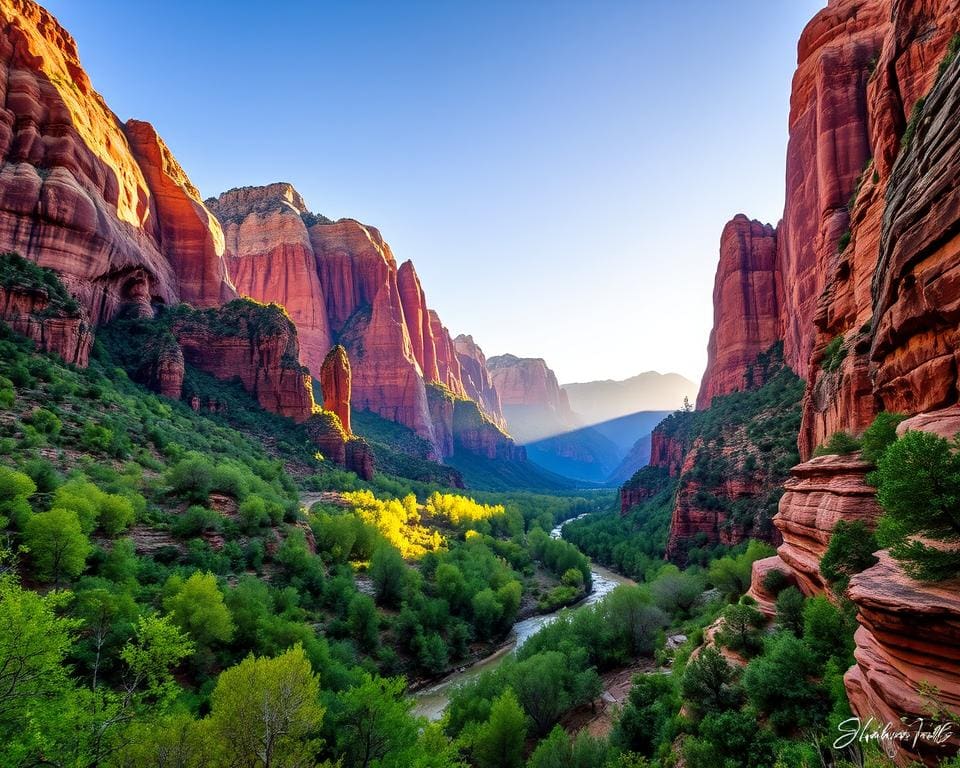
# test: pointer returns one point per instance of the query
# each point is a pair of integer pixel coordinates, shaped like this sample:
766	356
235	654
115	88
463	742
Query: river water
431	701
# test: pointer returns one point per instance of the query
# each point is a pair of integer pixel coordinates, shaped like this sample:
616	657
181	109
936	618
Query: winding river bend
431	701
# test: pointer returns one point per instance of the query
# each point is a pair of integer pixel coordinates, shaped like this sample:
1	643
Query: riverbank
431	700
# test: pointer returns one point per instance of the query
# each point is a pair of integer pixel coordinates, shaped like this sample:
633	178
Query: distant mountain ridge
604	400
601	440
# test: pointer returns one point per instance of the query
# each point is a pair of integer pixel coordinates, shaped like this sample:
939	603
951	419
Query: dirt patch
598	716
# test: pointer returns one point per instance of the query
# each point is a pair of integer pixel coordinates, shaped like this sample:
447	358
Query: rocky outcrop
252	342
908	665
188	235
63	330
416	315
341	285
667	449
915	285
747	295
759	571
463	427
335	382
945	423
644	485
476	378
714	482
75	197
818	494
270	259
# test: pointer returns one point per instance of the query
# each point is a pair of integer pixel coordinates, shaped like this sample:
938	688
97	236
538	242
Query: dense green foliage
918	487
838	444
18	273
850	551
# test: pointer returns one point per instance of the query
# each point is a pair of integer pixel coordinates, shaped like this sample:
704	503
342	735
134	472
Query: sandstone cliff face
341	285
667	450
270	259
906	652
416	315
76	198
29	312
844	245
819	493
871	299
255	343
335	381
476	378
714	483
527	381
746	301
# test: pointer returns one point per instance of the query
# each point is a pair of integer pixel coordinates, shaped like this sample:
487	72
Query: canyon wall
747	298
340	284
102	203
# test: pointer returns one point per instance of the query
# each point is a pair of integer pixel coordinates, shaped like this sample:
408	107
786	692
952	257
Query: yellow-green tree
265	712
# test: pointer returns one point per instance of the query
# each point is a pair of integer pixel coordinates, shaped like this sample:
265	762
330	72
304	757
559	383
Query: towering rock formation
476	378
417	319
270	258
114	216
335	381
341	285
747	296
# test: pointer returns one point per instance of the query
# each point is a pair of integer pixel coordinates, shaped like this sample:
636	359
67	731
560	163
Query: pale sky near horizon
558	172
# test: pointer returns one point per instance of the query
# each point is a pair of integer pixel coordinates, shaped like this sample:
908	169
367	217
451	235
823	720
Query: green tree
740	629
363	621
780	683
265	712
15	490
34	642
675	591
486	612
389	574
546	687
373	721
850	551
708	683
197	607
918	486
498	743
880	435
731	574
57	545
826	631
646	719
790	611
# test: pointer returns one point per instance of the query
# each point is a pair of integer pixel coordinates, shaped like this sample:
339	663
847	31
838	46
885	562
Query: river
431	701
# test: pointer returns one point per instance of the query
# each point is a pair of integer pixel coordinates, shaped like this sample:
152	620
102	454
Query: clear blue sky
559	172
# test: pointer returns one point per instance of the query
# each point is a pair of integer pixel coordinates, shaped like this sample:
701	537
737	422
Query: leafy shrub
839	444
790	611
850	551
833	354
880	435
918	487
915	114
844	241
775	581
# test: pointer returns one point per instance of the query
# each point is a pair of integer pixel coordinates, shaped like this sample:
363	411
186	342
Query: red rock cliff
335	381
271	259
476	378
747	295
340	284
75	197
